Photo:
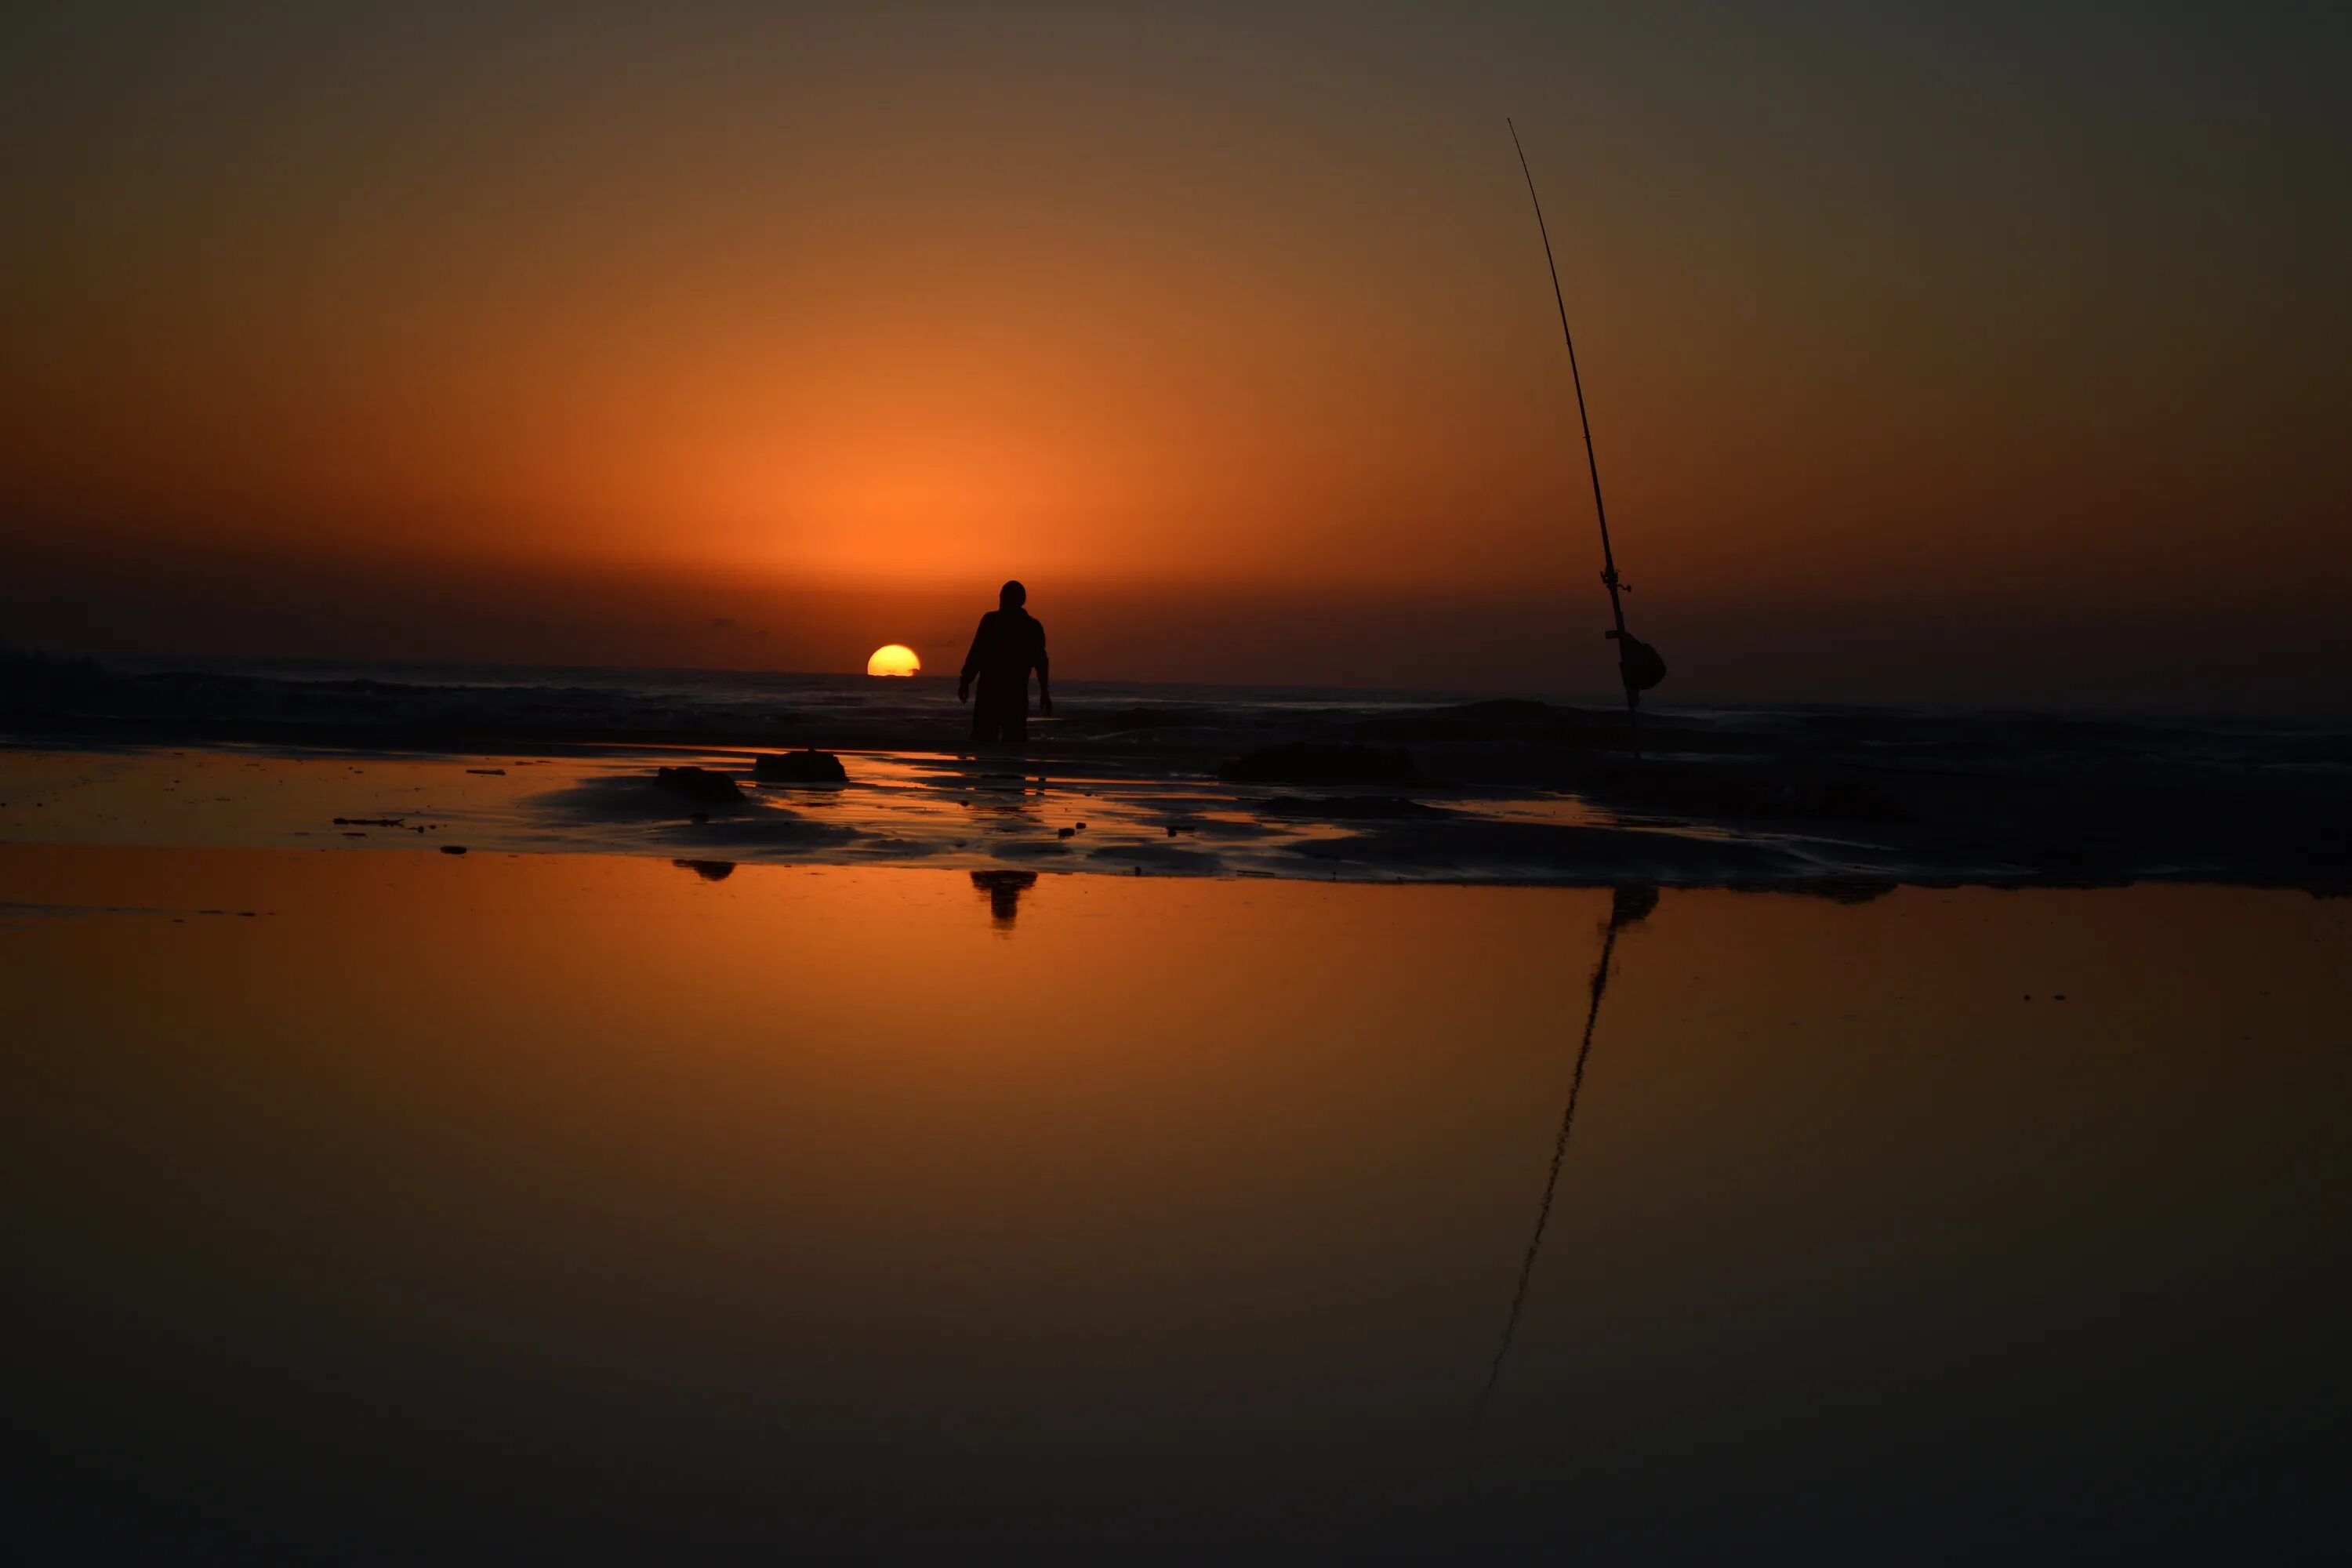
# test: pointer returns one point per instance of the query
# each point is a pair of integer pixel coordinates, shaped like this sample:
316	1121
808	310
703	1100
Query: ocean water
566	702
569	703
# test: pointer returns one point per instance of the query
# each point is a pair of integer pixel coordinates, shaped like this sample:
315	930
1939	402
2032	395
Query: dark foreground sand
403	1206
2089	818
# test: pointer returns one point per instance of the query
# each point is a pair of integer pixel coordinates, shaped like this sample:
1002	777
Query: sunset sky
1999	357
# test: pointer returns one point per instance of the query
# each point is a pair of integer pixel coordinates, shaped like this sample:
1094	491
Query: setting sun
895	658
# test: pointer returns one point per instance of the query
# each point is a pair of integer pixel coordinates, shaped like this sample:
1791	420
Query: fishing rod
1638	664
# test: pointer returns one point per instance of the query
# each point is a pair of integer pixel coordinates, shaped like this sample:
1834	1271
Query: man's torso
1010	642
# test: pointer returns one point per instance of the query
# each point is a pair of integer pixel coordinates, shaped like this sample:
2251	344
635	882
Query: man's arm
1045	678
972	662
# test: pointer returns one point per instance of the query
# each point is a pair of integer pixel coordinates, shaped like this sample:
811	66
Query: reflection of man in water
1004	890
1009	643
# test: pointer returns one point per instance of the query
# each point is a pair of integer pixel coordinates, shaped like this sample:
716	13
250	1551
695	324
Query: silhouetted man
1009	643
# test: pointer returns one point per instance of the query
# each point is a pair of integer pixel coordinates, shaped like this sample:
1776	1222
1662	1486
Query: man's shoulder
1014	622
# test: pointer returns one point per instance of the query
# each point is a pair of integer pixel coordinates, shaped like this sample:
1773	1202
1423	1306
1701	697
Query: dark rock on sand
752	833
1116	721
698	784
1319	762
1165	859
1789	789
1845	889
1344	808
800	767
709	871
1513	718
453	849
1555	852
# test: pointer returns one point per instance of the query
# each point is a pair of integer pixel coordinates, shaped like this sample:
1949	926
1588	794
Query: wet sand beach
379	1206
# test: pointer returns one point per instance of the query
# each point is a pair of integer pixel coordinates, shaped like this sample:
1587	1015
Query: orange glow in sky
753	340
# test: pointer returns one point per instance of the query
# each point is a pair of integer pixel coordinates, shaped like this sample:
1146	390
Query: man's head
1012	596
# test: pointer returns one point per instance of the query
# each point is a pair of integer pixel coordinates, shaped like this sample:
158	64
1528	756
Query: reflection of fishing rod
1638	664
1626	905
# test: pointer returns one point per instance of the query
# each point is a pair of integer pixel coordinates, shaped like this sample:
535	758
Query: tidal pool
408	1205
